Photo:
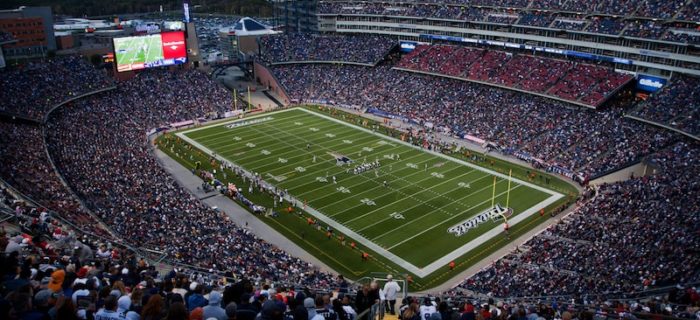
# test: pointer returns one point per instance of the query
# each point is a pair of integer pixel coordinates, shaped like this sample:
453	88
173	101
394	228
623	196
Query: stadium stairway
269	96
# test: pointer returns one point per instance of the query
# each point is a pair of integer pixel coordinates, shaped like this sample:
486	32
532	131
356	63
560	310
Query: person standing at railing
391	288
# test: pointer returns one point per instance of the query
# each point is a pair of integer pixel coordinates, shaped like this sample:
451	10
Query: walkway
238	214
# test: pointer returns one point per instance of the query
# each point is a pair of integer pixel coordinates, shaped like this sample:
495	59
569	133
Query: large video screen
155	50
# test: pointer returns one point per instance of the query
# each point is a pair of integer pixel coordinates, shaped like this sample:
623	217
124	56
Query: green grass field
405	220
133	52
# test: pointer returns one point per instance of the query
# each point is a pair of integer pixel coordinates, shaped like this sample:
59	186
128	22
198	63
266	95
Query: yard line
443	222
236	129
379	185
457	215
276	138
230	132
297	163
314	181
409	208
272	150
337	147
416	228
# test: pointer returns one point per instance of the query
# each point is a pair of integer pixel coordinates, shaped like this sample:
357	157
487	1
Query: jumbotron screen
154	50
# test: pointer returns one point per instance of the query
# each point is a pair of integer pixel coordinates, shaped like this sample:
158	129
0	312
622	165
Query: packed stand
100	147
536	19
677	105
514	121
632	236
49	278
34	88
539	14
678	302
691	36
296	47
645	29
26	168
691	12
584	83
606	25
6	36
661	9
570	24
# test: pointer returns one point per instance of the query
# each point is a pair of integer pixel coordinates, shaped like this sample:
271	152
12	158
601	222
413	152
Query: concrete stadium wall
267	79
638	170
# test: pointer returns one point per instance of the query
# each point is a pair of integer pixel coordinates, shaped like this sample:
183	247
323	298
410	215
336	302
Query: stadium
348	160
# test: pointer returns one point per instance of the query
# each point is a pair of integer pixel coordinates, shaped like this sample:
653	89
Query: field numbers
250	145
299	169
437	175
282	160
412	165
314	129
265	152
321	179
298	123
464	185
330	135
237	138
397	215
368	149
368	202
347	141
342	189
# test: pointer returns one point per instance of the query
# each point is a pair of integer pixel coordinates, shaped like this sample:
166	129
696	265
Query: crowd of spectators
540	14
648	9
536	19
631	236
570	24
606	25
294	47
645	29
33	88
677	105
528	11
58	277
661	9
571	81
25	166
99	146
536	129
6	36
690	12
691	36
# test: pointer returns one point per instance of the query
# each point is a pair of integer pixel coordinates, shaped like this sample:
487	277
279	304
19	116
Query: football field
404	203
134	52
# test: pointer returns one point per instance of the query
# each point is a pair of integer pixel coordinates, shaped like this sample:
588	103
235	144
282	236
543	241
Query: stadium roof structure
249	27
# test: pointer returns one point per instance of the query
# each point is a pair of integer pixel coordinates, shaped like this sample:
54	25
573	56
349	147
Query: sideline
242	217
435	265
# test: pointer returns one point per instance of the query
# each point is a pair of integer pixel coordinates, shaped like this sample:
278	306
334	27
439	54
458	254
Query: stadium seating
26	167
622	238
677	105
584	83
634	17
6	36
605	25
631	236
516	122
297	47
31	89
98	145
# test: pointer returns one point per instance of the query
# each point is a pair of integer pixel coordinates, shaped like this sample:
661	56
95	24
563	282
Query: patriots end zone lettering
494	214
